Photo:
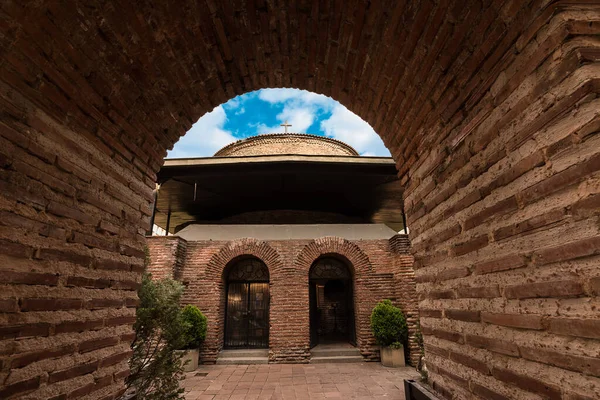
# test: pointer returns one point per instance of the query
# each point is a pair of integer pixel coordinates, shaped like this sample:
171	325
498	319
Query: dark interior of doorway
331	306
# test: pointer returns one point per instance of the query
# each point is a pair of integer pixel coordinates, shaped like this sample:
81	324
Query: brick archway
360	267
216	270
489	110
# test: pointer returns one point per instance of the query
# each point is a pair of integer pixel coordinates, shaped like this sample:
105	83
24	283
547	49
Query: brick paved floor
297	381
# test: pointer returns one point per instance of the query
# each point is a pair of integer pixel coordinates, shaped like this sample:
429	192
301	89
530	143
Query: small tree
196	326
388	324
160	329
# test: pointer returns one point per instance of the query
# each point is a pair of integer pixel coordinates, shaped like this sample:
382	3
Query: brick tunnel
489	109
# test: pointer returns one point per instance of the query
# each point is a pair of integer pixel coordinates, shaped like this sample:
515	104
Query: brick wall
504	221
166	256
488	107
376	269
289	143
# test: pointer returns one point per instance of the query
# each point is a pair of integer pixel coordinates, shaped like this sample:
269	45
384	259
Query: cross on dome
285	125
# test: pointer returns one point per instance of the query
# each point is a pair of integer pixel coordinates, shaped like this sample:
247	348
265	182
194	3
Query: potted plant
195	333
390	330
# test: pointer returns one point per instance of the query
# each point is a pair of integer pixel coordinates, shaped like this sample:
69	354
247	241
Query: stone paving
297	381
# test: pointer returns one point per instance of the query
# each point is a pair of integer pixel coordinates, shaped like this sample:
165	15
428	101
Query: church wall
166	256
383	272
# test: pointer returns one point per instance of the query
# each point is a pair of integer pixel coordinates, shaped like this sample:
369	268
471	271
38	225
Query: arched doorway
247	300
331	298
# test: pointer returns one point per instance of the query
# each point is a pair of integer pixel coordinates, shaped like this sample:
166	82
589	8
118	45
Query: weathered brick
456	378
72	213
587	206
523	321
95	304
579	363
24	330
115	358
495	345
9	305
78	326
561	179
25	359
498	209
64	255
430	313
569	251
50	304
527	383
15	249
111	265
69	373
463	315
473	363
589	328
512	261
486	393
95	344
29	278
19	387
566	288
470	245
97	283
529	225
486	292
81	391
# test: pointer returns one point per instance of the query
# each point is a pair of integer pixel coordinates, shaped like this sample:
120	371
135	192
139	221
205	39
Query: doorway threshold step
336	359
335	353
243	357
319	351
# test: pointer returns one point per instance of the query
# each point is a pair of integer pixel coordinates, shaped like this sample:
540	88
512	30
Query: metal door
247	315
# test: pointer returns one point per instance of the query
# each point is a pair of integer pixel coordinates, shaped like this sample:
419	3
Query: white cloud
295	97
300	118
348	127
300	108
205	137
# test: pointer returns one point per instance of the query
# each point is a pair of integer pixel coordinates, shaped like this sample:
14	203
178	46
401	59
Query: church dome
286	143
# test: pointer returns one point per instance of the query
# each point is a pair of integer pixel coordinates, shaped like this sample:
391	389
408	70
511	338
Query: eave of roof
291	158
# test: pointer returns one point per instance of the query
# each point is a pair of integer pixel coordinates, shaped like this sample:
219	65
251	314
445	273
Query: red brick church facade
300	258
381	269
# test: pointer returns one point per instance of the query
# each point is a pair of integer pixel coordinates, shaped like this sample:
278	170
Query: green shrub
156	367
196	326
388	324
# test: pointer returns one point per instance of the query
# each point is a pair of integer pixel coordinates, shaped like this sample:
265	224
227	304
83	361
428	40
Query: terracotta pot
190	359
392	357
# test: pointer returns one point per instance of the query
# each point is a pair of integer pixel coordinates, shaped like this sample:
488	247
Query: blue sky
264	110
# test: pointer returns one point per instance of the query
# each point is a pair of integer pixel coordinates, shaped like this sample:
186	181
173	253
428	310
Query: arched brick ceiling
155	67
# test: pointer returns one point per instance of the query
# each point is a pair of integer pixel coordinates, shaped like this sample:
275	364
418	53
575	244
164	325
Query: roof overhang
210	190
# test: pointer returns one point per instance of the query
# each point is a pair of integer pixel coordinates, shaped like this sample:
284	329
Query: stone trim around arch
214	301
